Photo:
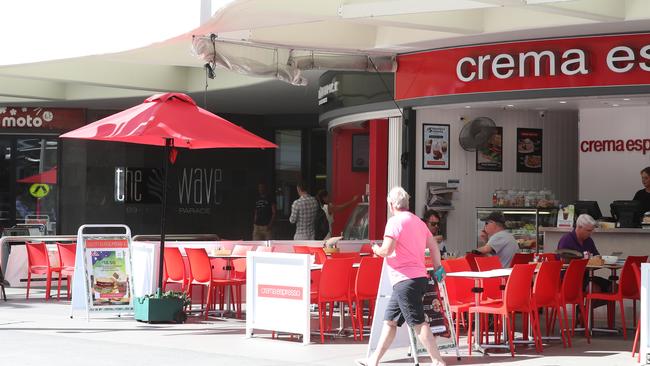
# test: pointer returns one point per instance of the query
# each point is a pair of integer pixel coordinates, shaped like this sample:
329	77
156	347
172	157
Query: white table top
502	272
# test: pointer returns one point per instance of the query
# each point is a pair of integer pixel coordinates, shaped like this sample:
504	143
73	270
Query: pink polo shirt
410	234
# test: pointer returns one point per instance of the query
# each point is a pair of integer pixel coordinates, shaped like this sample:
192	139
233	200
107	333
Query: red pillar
378	177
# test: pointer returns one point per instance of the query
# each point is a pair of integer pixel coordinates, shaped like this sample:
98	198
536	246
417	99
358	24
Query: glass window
288	163
6	196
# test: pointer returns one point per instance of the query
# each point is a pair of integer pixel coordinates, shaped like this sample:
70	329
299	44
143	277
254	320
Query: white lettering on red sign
573	61
280	292
641	145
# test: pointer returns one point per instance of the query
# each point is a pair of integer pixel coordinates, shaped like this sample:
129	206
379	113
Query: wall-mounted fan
476	133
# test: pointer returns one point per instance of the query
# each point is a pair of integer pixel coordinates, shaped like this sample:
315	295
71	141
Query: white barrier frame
81	293
278	313
644	348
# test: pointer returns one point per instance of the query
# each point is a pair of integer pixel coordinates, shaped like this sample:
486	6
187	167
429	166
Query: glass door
36	193
6	184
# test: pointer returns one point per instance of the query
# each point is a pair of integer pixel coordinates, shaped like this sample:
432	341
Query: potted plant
161	307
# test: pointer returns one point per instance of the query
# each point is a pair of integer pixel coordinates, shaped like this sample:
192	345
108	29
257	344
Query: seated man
499	241
580	240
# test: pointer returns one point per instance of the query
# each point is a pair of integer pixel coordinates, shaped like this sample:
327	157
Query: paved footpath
40	333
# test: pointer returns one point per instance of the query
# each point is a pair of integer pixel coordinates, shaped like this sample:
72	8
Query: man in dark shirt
580	240
263	214
643	195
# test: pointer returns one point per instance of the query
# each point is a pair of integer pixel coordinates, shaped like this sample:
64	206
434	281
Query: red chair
517	298
637	275
334	286
522	258
355	255
301	249
627	289
201	274
366	248
546	294
459	290
471	259
262	248
239	279
319	255
241	249
366	287
38	262
491	286
67	256
571	294
174	269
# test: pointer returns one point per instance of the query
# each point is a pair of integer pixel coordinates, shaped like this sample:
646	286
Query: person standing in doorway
303	213
405	239
643	195
263	215
330	208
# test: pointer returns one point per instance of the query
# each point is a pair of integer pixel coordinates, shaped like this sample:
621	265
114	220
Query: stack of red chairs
38	262
201	274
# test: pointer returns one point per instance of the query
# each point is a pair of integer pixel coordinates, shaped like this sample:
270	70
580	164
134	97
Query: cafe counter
627	240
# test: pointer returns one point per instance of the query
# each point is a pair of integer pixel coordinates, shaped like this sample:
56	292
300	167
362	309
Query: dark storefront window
288	163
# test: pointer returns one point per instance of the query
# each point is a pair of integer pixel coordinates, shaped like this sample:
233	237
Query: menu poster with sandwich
529	150
109	278
490	157
435	146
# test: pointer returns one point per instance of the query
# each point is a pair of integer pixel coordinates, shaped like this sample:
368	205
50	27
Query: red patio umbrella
47	177
170	120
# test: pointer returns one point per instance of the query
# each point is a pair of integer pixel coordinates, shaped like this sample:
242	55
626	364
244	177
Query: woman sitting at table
580	240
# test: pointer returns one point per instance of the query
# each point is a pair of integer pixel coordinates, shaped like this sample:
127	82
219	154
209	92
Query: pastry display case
523	223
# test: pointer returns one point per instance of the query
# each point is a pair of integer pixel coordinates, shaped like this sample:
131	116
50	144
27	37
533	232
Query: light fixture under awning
284	62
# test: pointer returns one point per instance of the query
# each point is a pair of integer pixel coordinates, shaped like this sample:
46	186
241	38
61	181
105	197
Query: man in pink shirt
405	239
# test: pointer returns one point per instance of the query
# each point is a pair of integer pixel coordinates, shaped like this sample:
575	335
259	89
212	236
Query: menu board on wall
529	150
490	157
435	146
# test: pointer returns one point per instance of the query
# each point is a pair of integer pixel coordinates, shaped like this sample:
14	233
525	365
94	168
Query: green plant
172	295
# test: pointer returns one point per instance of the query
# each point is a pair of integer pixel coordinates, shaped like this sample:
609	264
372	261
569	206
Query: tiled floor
36	332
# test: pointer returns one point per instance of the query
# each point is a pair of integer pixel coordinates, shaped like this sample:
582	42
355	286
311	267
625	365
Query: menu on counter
565	216
529	150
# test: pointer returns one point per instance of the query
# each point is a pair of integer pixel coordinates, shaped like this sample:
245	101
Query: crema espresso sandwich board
102	281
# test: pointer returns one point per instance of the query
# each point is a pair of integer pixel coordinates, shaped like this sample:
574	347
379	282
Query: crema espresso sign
596	61
619	145
24	118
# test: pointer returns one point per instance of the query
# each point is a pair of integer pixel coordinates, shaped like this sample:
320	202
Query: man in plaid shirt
303	213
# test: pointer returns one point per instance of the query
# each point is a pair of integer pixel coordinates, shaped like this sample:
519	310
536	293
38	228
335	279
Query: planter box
149	309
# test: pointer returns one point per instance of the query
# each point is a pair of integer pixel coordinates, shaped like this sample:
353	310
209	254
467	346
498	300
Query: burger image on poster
526	146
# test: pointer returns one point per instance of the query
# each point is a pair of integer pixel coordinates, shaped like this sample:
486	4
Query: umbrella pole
169	143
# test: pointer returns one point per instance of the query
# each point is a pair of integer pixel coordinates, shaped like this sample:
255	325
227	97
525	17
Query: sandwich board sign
104	262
